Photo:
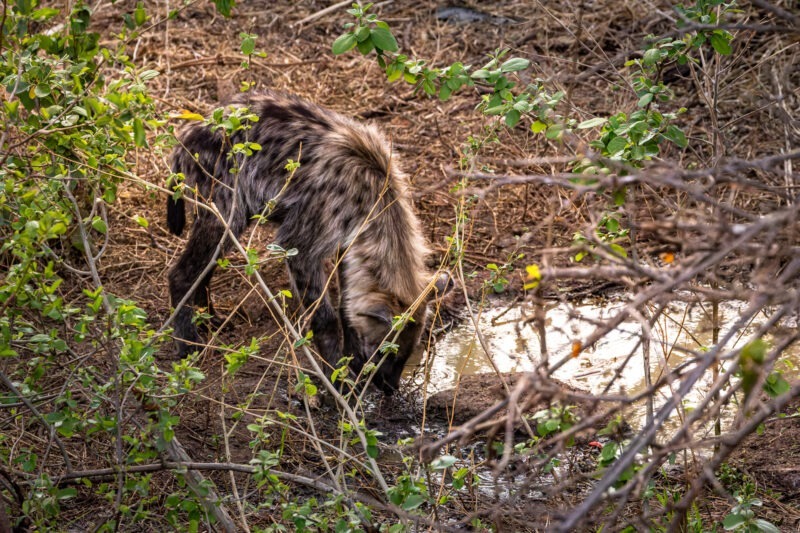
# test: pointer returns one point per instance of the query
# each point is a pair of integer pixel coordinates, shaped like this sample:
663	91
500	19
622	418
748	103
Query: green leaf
248	45
42	90
620	196
733	521
365	47
148	75
372	451
592	122
225	6
413	501
362	34
69	492
676	135
512	118
651	57
442	462
99	225
138	133
538	127
394	71
554	131
721	42
45	13
515	64
139	14
609	451
383	39
619	250
343	43
765	527
616	145
645	100
775	385
305	340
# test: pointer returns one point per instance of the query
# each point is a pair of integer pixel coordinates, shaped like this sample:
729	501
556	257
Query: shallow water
514	345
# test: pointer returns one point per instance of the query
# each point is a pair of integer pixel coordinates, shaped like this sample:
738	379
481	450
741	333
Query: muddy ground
578	47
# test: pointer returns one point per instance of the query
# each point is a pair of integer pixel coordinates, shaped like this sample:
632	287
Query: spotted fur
348	199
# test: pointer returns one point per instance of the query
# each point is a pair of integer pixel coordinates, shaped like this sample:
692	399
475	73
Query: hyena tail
176	205
176	215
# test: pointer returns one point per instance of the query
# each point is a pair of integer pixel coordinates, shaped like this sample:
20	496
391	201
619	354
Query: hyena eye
380	313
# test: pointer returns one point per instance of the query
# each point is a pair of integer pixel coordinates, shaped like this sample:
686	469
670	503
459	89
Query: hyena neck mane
385	269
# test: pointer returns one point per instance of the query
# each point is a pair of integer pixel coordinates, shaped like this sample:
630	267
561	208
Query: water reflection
509	331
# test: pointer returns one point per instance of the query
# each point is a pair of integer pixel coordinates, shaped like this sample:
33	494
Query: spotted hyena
348	201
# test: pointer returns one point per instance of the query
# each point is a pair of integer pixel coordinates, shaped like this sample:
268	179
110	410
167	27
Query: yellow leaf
185	114
533	278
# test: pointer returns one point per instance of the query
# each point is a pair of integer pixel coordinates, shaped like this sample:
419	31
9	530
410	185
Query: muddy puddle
613	365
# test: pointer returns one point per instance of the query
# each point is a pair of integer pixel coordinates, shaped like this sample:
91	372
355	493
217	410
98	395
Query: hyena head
388	334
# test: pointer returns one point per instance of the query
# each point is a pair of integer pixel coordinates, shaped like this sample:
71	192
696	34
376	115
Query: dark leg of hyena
308	279
352	340
200	251
308	282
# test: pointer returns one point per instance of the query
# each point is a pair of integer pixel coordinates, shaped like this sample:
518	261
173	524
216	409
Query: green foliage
76	111
705	12
554	420
235	359
498	280
608	232
743	517
225	6
368	34
333	514
409	492
305	385
751	364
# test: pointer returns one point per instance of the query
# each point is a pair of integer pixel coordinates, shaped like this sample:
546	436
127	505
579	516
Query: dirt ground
575	46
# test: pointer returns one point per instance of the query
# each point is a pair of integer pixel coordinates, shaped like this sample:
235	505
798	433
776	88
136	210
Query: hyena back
347	200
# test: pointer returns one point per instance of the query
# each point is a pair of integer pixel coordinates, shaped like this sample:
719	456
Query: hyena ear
380	313
442	286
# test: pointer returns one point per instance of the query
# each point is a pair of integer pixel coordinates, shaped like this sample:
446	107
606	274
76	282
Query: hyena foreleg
206	242
352	343
308	281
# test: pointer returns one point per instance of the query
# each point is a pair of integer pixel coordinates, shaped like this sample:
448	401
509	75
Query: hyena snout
389	348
